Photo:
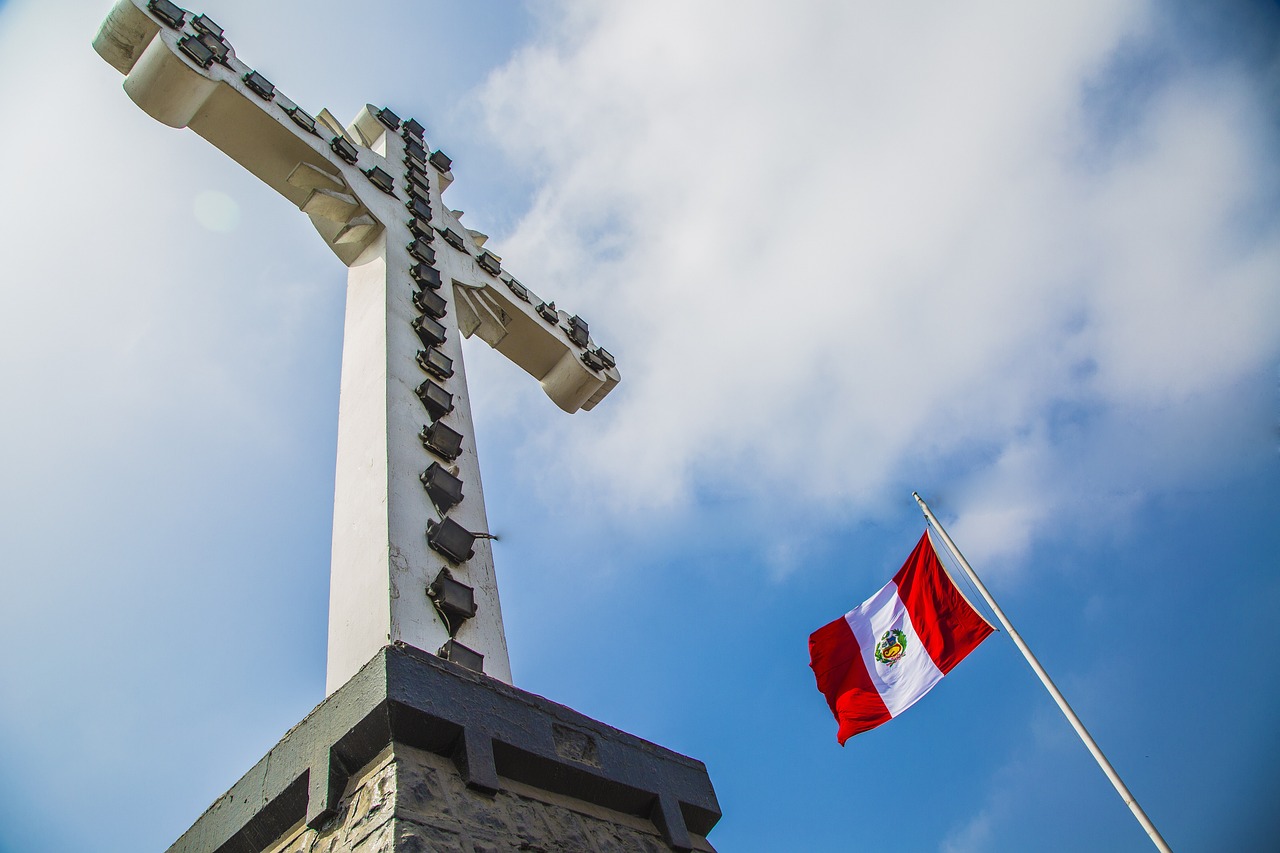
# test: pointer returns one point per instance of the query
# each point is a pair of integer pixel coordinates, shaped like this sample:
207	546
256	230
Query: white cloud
845	244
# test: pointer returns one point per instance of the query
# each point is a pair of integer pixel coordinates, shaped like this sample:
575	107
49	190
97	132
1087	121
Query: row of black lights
597	359
208	46
454	600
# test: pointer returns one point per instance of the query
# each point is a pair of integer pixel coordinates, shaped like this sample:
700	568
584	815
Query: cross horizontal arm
176	78
184	74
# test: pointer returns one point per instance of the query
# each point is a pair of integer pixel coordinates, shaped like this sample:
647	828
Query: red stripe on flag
947	625
842	677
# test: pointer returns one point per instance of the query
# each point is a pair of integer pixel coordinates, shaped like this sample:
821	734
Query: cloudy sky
1021	257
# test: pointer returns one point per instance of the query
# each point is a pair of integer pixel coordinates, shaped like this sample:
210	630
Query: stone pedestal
417	754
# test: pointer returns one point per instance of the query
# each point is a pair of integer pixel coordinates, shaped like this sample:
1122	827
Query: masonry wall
412	801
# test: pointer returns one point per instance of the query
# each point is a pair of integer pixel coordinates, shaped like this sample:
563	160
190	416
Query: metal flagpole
1049	685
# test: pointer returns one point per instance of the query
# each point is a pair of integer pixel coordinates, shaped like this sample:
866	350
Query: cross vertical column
383	563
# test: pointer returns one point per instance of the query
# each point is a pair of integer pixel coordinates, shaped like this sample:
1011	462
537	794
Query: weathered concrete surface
411	801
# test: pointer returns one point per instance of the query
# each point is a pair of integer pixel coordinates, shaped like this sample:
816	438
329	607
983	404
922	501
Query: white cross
418	281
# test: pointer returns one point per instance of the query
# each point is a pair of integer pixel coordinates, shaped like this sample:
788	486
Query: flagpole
1089	742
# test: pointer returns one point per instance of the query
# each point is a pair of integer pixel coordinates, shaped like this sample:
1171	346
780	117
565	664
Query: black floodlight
421	229
430	302
455	652
606	357
412	128
422	250
381	180
260	85
426	276
444	489
489	263
441	161
521	292
413	162
451	539
418	177
578	330
216	46
430	332
204	24
419	208
435	362
453	239
453	598
419	191
438	402
344	149
167	12
592	360
389	118
547	311
441	440
198	51
302	119
414	149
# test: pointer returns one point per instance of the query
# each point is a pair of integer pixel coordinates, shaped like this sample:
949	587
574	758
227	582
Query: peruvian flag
874	662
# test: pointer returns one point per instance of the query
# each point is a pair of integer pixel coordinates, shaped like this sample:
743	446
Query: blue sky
1024	258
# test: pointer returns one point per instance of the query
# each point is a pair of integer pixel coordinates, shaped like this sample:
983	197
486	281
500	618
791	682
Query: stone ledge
497	737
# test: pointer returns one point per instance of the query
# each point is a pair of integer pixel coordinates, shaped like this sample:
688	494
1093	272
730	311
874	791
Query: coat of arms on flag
891	647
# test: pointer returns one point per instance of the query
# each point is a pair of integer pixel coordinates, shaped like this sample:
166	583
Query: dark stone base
418	754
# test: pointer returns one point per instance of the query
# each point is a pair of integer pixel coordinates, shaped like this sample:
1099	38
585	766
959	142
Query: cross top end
181	70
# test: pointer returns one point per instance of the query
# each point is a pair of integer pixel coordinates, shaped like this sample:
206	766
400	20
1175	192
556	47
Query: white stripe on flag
903	682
